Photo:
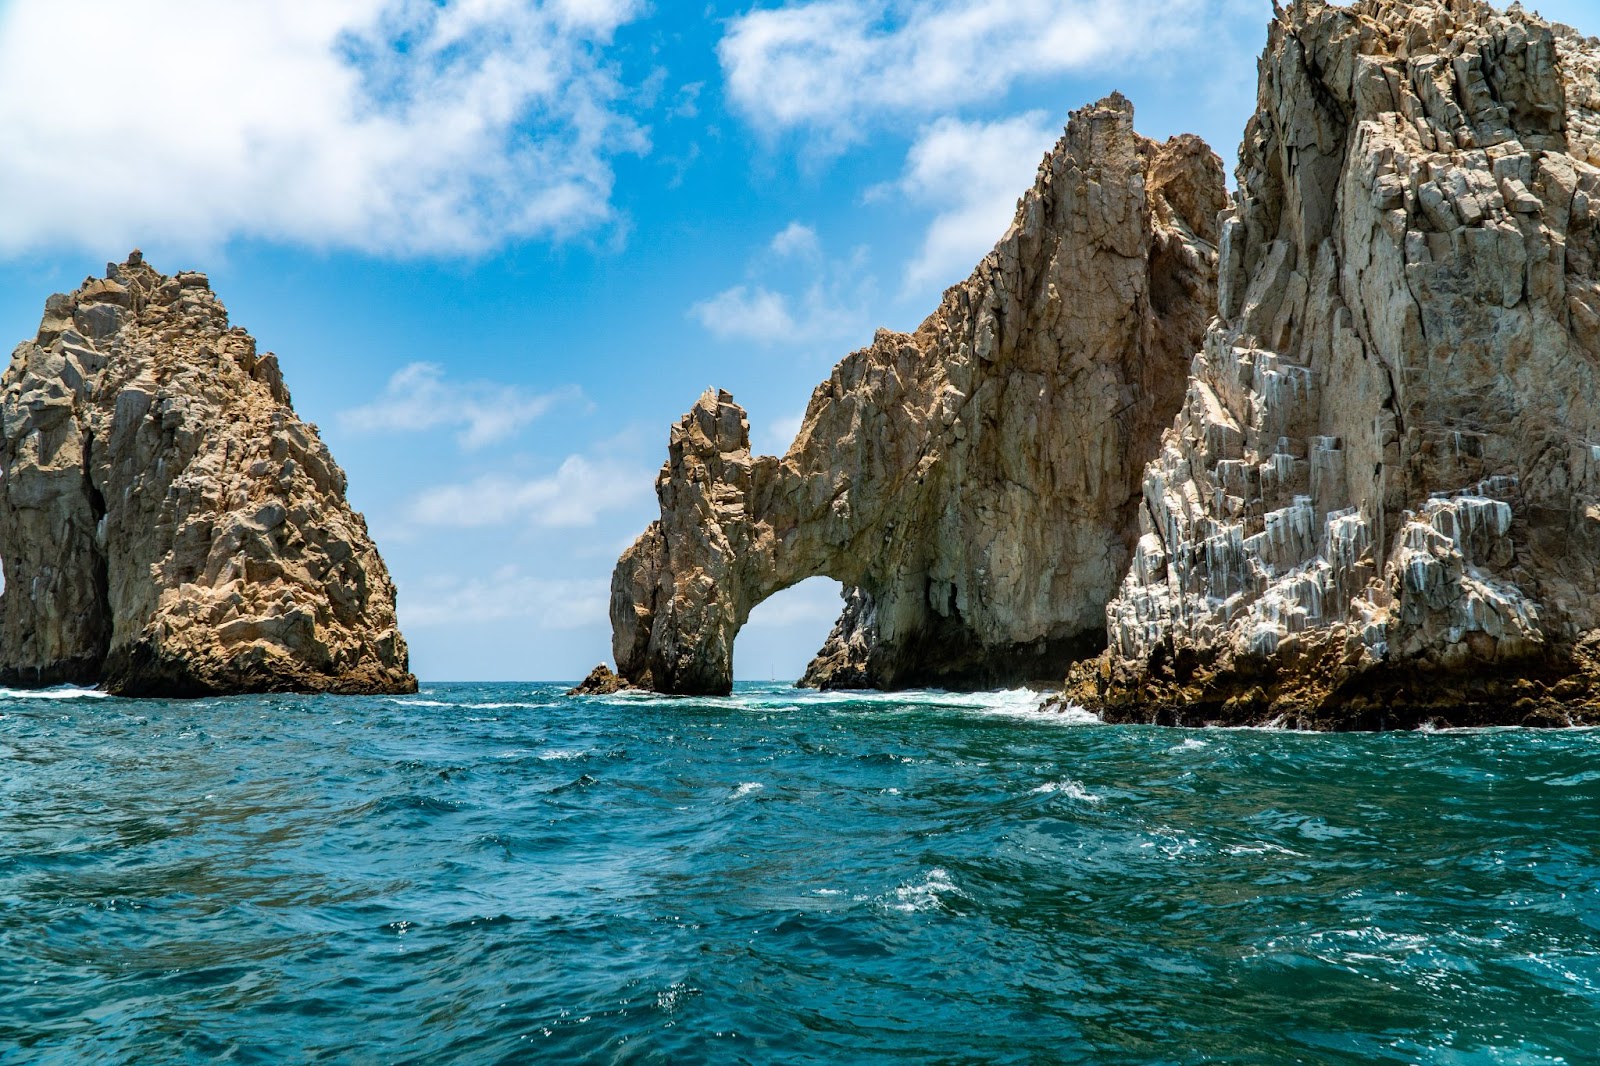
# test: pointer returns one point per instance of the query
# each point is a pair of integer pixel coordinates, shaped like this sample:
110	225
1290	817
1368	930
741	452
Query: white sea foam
930	893
65	692
1068	787
422	703
747	789
1279	724
1022	703
1574	779
1260	848
1027	705
561	754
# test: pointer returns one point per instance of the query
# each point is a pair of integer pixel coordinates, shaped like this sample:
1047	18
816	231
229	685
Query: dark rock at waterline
600	682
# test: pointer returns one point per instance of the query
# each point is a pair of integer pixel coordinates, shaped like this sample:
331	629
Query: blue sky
500	245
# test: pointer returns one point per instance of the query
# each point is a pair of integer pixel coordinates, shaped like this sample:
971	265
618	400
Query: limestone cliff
1381	499
973	484
168	526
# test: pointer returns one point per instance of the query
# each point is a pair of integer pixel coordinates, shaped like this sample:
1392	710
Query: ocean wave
1066	786
931	893
1036	712
64	692
1021	703
748	788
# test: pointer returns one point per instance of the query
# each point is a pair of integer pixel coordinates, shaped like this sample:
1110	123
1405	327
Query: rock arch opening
781	637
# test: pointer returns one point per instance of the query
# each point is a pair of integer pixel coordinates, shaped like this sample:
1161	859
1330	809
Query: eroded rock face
973	484
168	526
1381	499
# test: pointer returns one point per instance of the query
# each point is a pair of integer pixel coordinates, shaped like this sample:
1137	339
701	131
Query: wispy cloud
746	313
813	601
797	240
834	67
970	174
419	398
386	126
781	432
546	603
575	495
827	302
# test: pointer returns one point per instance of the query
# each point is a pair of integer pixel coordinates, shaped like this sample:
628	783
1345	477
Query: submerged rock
973	485
1380	503
168	526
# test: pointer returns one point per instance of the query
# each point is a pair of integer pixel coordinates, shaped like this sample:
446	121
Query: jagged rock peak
168	526
971	485
1380	502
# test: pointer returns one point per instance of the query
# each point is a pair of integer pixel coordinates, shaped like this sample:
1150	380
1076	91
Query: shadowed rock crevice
972	485
1380	502
168	526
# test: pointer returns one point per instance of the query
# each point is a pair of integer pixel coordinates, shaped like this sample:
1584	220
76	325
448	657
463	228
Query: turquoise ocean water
496	873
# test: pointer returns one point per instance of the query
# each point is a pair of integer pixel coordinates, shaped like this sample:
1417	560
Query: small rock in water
600	682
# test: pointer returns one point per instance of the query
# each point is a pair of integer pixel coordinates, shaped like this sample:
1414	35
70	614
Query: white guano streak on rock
1406	358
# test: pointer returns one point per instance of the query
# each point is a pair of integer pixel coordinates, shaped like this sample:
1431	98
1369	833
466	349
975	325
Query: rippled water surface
497	873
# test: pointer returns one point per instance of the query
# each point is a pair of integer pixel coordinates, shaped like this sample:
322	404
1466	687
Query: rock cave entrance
785	630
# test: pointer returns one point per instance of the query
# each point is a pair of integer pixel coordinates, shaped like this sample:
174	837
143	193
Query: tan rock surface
1380	502
600	682
168	526
972	484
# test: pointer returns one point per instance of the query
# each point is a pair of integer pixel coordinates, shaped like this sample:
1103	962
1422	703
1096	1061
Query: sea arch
975	485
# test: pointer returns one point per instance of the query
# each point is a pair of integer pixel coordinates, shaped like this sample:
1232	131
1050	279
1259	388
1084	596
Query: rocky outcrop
168	526
1380	503
973	484
600	682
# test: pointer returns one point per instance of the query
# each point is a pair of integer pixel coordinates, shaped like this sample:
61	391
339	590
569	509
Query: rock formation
1381	500
168	526
600	682
973	484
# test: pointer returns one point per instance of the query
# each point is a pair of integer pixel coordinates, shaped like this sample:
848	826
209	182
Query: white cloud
796	240
575	495
971	174
688	101
744	313
833	66
549	603
782	432
418	397
813	601
391	126
829	305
